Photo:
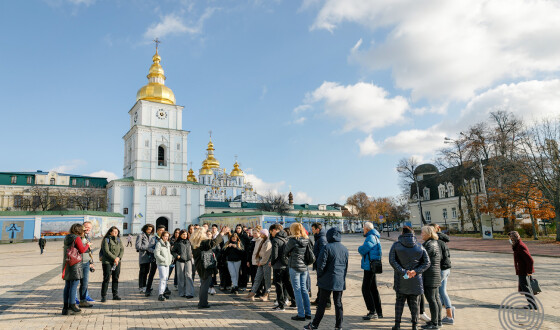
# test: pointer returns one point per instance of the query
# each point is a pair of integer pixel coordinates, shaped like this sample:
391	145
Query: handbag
209	259
73	256
535	286
375	265
309	257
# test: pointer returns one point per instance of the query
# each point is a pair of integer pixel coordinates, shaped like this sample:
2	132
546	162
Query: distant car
359	230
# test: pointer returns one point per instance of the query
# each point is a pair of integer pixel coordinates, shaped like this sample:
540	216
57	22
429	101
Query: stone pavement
31	296
537	248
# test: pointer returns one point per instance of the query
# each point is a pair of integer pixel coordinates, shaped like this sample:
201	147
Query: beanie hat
264	232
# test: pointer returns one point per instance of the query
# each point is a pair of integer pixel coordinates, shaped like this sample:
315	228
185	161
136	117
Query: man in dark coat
320	238
42	243
409	260
332	266
523	263
279	264
244	270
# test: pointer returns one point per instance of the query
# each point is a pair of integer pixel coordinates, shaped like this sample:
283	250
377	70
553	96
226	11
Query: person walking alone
432	277
163	261
113	251
332	266
202	244
71	274
295	250
42	243
409	260
370	250
524	268
182	252
129	240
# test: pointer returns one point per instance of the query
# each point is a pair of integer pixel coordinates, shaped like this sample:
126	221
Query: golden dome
155	90
236	170
191	177
205	170
210	159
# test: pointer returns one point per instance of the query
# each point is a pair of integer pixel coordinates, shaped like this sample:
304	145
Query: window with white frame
428	216
445	213
441	191
454	212
450	190
426	192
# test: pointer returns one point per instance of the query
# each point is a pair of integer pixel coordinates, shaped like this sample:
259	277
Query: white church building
155	188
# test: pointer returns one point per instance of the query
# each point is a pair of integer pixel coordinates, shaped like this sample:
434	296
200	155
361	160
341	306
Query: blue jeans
443	289
70	288
84	283
299	283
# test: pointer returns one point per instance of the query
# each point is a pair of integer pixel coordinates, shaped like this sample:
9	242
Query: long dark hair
181	233
145	228
111	230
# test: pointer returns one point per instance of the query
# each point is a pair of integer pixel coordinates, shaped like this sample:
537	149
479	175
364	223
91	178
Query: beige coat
264	254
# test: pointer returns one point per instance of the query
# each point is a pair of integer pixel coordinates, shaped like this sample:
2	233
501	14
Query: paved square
31	295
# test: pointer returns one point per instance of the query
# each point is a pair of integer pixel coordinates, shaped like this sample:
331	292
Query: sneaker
205	306
308	317
287	302
447	320
310	326
275	303
314	303
370	316
298	318
212	291
103	299
429	325
117	298
424	317
88	298
189	297
85	304
143	289
77	301
161	297
279	309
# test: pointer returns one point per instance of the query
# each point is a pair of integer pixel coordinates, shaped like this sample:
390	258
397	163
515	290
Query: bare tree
274	203
407	173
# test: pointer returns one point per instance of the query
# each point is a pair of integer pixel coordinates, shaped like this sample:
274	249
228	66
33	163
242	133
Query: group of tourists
282	257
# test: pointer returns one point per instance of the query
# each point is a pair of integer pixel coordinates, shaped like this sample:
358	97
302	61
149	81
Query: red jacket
522	259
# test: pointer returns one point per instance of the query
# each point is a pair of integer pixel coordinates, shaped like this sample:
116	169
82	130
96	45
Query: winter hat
264	232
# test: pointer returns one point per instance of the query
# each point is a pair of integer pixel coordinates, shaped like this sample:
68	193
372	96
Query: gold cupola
191	177
205	170
236	170
210	159
155	90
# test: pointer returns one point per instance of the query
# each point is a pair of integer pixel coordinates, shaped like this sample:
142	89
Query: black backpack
209	259
309	257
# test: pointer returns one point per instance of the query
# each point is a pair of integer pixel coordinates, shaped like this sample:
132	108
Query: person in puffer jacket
144	256
163	260
409	260
432	276
295	249
182	252
370	250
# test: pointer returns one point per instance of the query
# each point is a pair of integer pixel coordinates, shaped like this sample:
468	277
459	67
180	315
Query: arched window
161	156
53	181
153	191
426	192
163	191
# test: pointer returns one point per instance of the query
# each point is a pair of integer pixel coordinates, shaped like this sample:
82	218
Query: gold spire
205	170
191	177
155	90
236	170
210	159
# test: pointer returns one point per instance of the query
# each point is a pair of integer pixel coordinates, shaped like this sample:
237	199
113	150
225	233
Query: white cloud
104	174
263	187
69	166
450	50
175	24
356	46
87	3
368	147
414	141
301	108
300	121
362	106
301	197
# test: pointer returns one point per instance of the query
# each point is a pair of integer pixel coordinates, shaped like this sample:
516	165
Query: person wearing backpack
202	246
261	258
182	252
370	250
163	260
279	264
300	256
71	274
112	251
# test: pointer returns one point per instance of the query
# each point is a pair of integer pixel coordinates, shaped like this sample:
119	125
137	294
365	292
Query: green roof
97	213
130	179
237	214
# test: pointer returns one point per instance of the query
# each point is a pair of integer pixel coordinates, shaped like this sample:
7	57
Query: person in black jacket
320	238
409	260
244	270
233	253
432	276
42	243
295	249
332	266
279	264
445	271
201	243
182	253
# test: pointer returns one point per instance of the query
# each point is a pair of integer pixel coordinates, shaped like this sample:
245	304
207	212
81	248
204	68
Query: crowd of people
279	256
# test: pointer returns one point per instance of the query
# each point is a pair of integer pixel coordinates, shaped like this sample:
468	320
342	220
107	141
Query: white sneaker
287	302
143	289
212	291
275	303
424	317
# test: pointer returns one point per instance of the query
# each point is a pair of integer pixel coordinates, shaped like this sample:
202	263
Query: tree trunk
557	218
535	230
461	214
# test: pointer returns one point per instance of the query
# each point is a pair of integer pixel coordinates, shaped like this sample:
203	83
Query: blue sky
320	96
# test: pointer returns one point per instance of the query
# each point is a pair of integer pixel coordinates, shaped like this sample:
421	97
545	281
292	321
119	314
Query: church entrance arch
162	221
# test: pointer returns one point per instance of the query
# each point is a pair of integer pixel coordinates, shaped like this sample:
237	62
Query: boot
265	297
74	309
397	326
85	304
65	309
